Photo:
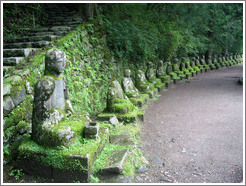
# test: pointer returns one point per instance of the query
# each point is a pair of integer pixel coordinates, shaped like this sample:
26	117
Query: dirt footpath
194	132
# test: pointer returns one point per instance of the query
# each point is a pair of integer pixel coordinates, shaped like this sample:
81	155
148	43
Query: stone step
12	61
64	23
116	163
58	33
53	28
38	44
33	38
19	52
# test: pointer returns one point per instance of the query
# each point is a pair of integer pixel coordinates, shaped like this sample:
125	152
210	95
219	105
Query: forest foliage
140	32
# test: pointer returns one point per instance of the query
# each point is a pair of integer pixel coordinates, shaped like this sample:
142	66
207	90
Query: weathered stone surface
6	89
24	52
23	73
116	99
116	162
13	80
91	130
12	61
19	96
130	90
29	88
142	84
51	98
113	120
122	139
38	44
8	105
66	134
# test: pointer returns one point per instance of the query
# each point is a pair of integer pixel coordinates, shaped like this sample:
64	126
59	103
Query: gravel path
194	132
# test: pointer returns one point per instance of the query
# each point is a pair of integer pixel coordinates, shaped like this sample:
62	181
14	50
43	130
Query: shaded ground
194	132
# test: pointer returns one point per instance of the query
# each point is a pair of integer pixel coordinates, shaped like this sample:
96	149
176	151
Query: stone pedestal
58	163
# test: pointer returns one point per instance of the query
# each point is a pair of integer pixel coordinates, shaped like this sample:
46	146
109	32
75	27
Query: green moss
19	113
139	101
57	157
122	106
129	167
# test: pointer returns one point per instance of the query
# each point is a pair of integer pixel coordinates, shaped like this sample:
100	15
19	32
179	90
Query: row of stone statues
51	99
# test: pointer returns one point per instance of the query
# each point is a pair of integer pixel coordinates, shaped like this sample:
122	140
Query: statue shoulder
45	87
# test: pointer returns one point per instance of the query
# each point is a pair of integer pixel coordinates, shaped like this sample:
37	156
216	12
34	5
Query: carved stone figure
51	100
142	84
162	72
117	101
128	86
151	76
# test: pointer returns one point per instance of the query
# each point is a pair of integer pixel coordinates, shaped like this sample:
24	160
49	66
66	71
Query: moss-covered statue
183	68
188	66
198	64
209	62
193	64
203	62
162	72
131	91
51	101
151	76
143	85
170	72
176	68
216	62
117	101
220	61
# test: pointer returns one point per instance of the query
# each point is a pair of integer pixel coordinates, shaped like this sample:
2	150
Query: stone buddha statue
51	98
117	101
129	88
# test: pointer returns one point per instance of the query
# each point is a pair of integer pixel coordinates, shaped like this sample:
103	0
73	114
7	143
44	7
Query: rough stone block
12	61
8	105
23	73
113	120
61	166
13	80
6	89
19	96
91	130
116	162
122	139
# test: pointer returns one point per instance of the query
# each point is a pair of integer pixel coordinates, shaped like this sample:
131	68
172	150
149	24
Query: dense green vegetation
135	34
141	32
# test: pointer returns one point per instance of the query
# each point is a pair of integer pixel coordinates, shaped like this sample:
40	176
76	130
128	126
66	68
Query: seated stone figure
117	101
143	85
188	66
162	72
203	62
197	63
232	60
131	91
215	62
193	64
209	62
170	72
51	102
176	68
151	76
220	61
183	68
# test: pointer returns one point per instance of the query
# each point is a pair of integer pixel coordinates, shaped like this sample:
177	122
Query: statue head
150	65
160	64
176	60
55	61
128	73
